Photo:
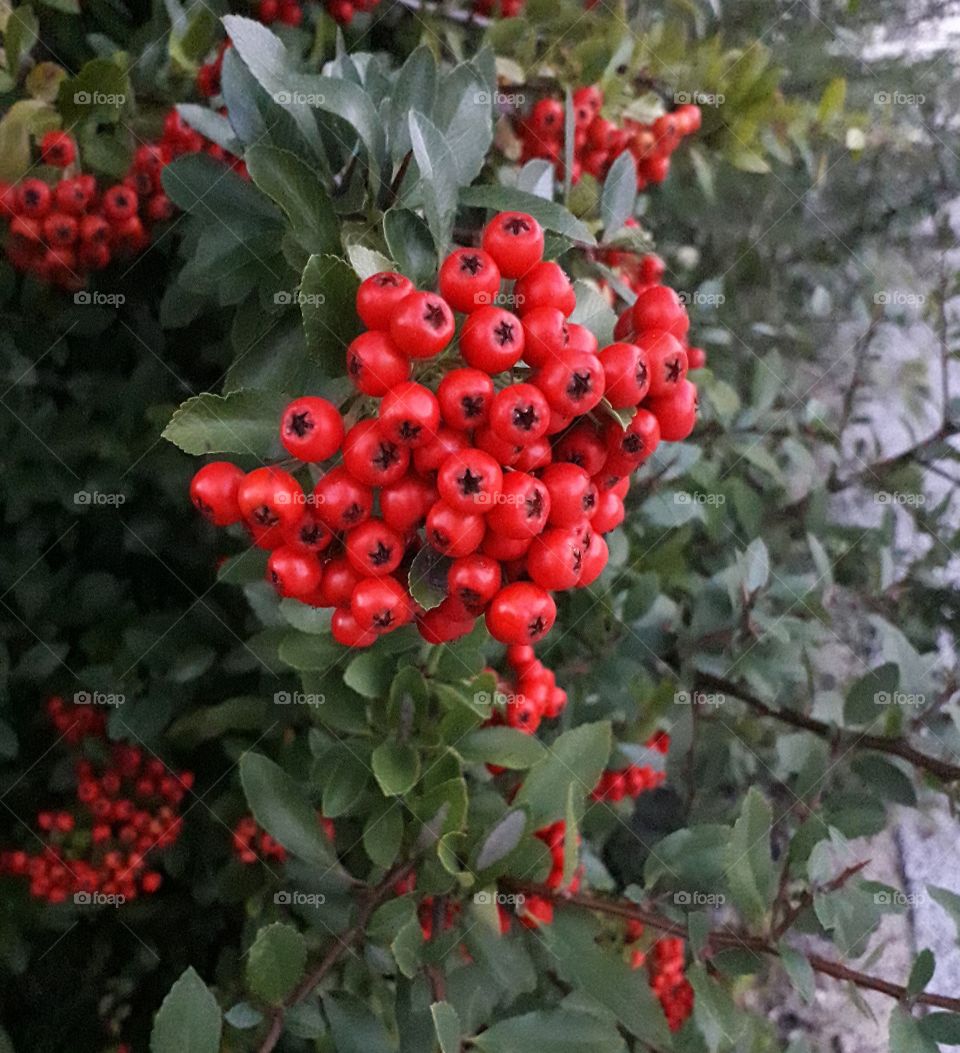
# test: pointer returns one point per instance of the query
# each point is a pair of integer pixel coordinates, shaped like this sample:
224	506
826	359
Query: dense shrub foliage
568	393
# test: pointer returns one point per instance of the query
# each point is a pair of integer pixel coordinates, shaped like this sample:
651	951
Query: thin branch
892	746
717	941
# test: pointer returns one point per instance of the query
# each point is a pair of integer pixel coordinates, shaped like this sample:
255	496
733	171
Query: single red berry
311	429
492	340
521	613
427	459
405	503
667	360
545	285
572	382
213	490
374	550
474	580
546	334
469	279
660	308
342	501
535	455
506	453
271	497
546	119
573	494
626	372
371	457
410	415
445	623
522	509
696	357
60	229
339	581
34	198
609	513
677	412
58	148
345	630
470	481
95	230
555	559
380	604
453	532
628	448
311	534
579	338
71	196
520	414
515	241
422	325
293	572
379	296
119	204
465	396
375	364
582	446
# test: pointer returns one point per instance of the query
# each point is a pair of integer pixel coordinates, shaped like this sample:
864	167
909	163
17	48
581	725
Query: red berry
545	285
522	509
677	412
546	334
271	497
629	447
404	504
609	513
465	396
469	279
572	382
34	198
470	481
373	549
58	148
627	374
660	308
555	559
582	446
492	340
375	364
71	196
521	613
410	415
341	501
371	457
546	119
473	581
515	241
339	581
346	631
519	414
311	429
119	204
378	297
453	532
293	572
667	361
422	325
60	229
380	604
213	490
573	494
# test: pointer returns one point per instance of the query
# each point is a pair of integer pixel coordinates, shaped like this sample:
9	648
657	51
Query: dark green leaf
447	1025
507	747
328	292
868	698
243	422
408	239
577	758
188	1020
396	767
749	866
275	962
619	194
502	839
438	182
921	973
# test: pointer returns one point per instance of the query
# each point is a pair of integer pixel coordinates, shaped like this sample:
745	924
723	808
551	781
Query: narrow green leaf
447	1025
328	293
619	194
577	758
437	177
502	839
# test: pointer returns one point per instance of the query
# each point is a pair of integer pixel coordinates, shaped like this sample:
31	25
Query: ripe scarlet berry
629	447
470	481
667	360
696	357
270	497
427	459
505	549
452	532
95	230
500	449
474	580
71	196
371	457
378	297
380	604
119	204
519	414
521	613
522	509
546	334
309	535
545	285
445	623
410	415
609	512
345	630
492	340
626	374
34	198
535	454
422	324
339	580
572	382
469	279
293	572
660	308
546	119
465	396
594	561
515	241
573	494
213	491
341	501
582	446
58	148
375	364
555	559
373	549
311	429
405	503
676	413
579	338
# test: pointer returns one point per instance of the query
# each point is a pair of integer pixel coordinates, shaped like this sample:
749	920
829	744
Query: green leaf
800	971
99	91
383	835
20	34
310	653
921	973
414	89
24	118
506	747
577	758
438	182
280	806
188	1020
714	1011
833	99
594	312
943	1028
619	194
204	187
370	674
549	214
366	261
396	767
950	901
906	1035
242	422
275	962
408	239
749	865
427	577
502	839
354	1027
328	294
557	1030
867	697
297	189
447	1025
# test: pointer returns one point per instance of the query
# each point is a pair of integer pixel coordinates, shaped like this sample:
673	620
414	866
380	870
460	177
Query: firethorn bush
478	537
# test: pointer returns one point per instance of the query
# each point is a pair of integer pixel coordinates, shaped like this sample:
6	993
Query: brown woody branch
718	941
892	746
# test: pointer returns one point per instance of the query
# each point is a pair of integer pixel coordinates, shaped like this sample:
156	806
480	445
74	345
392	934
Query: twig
894	747
730	940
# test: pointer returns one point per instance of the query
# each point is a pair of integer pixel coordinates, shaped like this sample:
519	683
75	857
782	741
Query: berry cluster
665	965
505	487
250	842
598	142
125	810
615	784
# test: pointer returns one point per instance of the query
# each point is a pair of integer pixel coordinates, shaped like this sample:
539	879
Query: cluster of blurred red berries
126	809
617	783
251	843
508	485
598	142
665	965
